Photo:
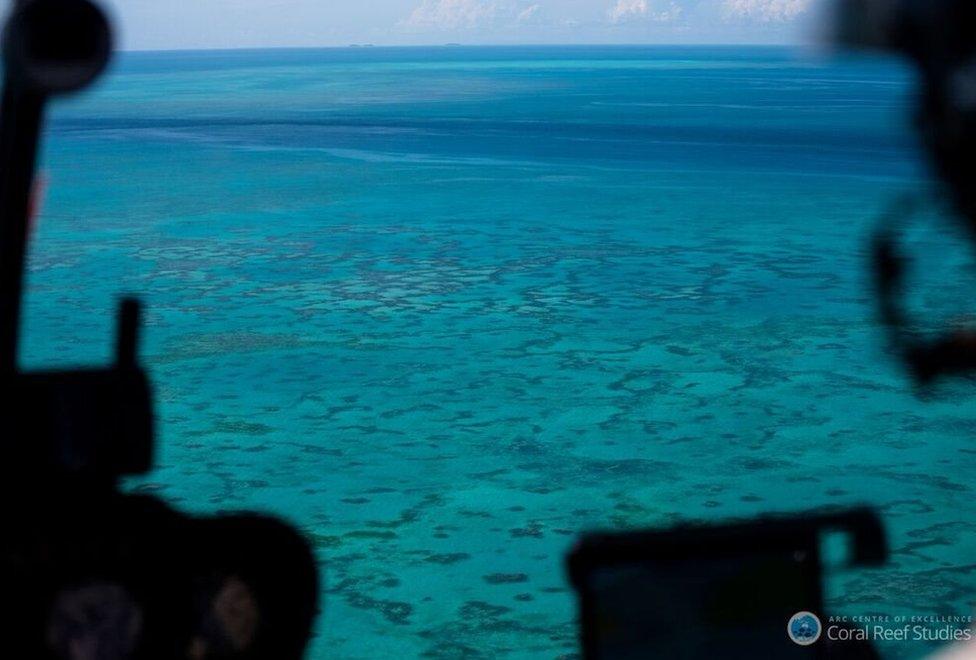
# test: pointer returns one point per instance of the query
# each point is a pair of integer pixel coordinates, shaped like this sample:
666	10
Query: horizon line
366	45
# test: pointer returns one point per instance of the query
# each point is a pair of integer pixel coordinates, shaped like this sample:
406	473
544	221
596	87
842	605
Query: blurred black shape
244	557
726	591
954	353
88	572
939	37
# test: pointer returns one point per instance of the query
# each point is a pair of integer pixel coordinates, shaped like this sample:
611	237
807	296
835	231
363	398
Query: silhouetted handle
49	47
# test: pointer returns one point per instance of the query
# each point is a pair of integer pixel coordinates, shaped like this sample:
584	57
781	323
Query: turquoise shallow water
446	308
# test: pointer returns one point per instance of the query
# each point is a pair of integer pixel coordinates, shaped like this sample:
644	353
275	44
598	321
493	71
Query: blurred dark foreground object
87	572
939	37
732	591
95	575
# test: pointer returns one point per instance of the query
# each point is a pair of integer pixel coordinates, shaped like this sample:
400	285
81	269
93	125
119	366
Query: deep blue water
446	308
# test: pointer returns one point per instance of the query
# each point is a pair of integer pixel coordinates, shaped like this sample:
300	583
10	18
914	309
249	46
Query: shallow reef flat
447	345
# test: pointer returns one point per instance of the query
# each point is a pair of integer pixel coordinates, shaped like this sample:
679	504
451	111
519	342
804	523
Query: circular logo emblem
804	628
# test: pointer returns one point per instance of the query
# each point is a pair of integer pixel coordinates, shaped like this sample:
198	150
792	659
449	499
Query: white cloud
766	10
625	9
469	14
528	13
630	10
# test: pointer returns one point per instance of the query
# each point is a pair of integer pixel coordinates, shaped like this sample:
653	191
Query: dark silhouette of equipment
939	38
88	572
725	591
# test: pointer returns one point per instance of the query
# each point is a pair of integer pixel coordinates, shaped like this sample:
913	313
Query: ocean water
447	308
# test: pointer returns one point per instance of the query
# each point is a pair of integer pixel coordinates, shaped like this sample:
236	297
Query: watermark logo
804	628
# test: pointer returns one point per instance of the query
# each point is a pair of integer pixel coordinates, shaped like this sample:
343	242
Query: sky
182	24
